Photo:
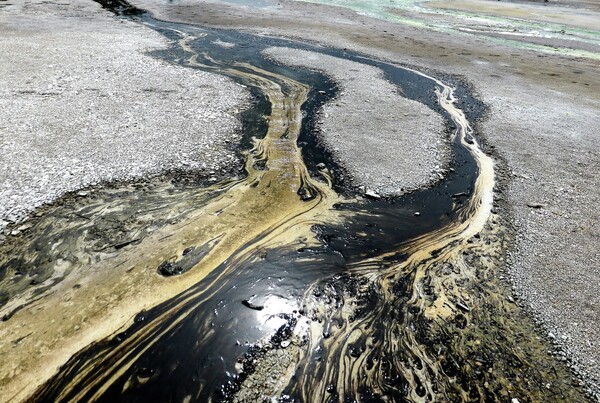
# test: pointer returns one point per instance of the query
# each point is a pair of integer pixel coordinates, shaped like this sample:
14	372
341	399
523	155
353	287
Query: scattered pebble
371	194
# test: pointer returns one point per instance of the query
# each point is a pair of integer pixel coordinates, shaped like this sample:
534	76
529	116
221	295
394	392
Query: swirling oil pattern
282	283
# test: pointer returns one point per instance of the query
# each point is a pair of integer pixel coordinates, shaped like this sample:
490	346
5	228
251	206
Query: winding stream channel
278	281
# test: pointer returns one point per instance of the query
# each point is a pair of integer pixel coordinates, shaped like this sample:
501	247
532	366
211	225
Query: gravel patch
269	377
554	152
388	143
81	103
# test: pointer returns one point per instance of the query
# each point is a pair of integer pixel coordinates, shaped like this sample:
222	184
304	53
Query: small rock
169	269
250	305
371	194
534	205
320	165
24	227
417	213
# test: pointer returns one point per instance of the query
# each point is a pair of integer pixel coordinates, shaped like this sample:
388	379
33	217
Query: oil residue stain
280	282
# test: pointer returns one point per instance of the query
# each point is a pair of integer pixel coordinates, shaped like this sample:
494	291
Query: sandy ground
81	103
544	114
371	121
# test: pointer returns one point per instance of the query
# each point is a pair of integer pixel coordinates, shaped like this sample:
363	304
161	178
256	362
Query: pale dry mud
543	117
81	103
370	118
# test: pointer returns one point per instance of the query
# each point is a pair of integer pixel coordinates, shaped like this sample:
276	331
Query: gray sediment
553	153
82	103
388	143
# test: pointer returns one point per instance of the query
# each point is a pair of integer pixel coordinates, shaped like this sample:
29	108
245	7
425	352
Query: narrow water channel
281	280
